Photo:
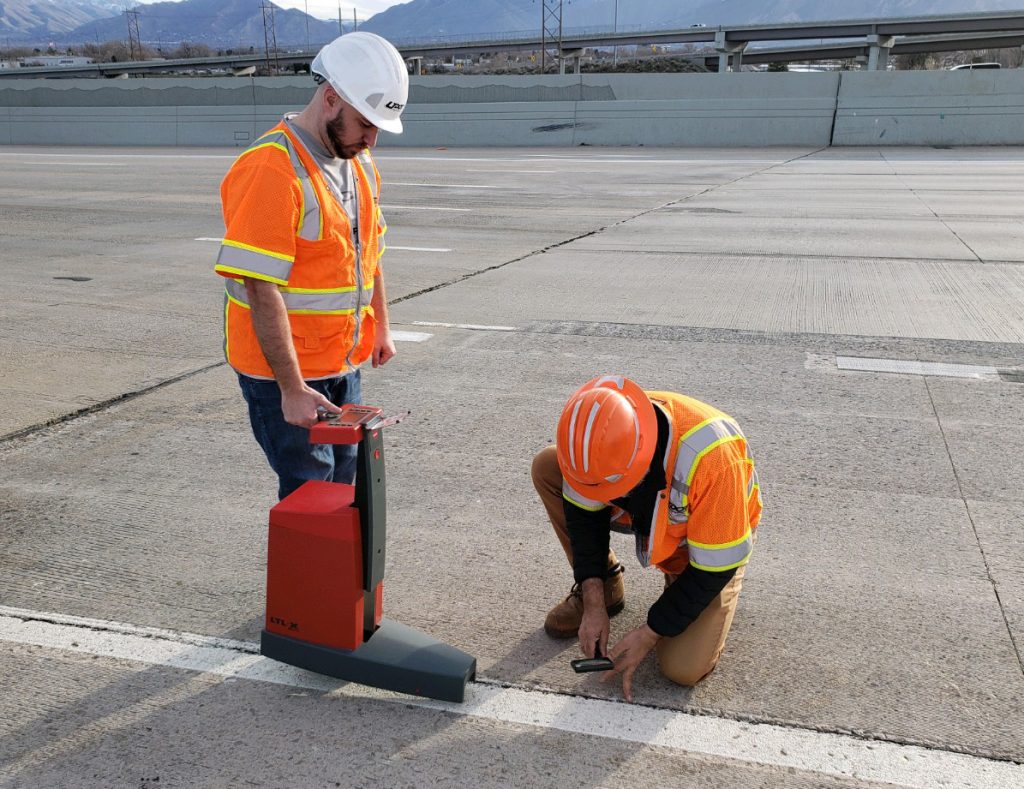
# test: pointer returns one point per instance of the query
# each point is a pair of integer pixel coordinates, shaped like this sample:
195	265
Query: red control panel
346	427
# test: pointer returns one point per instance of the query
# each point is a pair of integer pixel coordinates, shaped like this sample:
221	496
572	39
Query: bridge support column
878	52
728	50
575	55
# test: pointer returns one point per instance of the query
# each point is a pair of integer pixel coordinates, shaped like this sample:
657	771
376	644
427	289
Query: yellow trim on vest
722	545
249	275
249	248
583	506
703	452
346	289
235	301
227	334
697	427
264	145
302	206
322	312
723	569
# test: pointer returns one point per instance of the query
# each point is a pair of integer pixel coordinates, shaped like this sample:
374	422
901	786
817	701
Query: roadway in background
879	636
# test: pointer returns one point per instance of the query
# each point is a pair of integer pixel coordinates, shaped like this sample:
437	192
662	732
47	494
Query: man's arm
589	537
270	322
682	602
383	345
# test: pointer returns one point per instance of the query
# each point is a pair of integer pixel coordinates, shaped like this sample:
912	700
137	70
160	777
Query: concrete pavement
885	600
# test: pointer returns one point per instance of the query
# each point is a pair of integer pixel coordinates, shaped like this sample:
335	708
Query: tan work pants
694	653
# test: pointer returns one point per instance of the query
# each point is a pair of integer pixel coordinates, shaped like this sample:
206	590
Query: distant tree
917	61
190	50
113	52
778	66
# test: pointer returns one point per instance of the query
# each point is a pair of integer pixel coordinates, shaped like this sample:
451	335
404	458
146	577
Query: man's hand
628	653
594	627
299	405
383	346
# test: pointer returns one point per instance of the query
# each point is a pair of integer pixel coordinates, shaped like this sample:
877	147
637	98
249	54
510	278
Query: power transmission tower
134	40
270	37
550	28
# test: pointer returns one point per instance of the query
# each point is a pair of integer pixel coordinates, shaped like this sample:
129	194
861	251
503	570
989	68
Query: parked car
972	66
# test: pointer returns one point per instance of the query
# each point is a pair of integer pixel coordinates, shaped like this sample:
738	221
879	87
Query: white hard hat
368	73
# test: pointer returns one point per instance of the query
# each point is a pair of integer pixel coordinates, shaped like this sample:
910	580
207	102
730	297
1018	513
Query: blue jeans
287	447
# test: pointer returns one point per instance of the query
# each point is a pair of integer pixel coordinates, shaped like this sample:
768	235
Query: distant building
50	61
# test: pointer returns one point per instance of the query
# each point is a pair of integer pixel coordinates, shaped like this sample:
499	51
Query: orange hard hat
606	438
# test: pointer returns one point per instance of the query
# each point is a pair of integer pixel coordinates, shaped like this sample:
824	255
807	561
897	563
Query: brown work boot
563	621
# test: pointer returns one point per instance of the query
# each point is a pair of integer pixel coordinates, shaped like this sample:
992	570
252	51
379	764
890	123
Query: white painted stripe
452	186
391	207
474	326
120	155
410	336
522	172
755	743
82	164
218	240
903	367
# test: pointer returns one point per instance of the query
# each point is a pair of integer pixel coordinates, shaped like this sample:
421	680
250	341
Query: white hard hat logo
394	105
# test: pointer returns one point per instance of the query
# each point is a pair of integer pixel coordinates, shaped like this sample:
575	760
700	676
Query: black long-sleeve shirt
589	533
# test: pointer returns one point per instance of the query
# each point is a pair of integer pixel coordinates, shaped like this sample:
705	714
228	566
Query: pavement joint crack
974	528
103	405
596	231
942	221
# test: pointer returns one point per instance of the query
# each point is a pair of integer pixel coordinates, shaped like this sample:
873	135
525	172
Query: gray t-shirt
338	173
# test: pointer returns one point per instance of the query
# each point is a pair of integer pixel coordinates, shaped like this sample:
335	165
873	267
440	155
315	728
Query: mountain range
222	23
422	19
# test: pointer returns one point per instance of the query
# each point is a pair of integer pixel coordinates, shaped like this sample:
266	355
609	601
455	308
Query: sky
327	9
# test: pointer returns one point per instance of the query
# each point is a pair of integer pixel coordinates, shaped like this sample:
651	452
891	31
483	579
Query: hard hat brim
394	126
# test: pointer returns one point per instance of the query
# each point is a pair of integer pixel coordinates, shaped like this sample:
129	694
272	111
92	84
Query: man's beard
336	134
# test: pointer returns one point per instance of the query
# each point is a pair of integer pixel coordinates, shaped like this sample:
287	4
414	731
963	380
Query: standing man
674	472
305	303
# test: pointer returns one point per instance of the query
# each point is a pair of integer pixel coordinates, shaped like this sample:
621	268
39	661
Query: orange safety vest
283	225
711	504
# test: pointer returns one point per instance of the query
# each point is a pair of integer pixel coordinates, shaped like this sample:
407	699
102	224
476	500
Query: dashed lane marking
450	186
473	326
390	207
764	744
410	336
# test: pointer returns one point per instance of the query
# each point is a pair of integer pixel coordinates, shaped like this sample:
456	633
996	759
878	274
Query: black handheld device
597	663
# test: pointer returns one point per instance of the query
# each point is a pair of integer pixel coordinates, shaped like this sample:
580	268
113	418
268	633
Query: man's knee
687	673
545	471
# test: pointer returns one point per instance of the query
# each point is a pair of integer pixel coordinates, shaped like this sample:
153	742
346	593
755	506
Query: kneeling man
674	472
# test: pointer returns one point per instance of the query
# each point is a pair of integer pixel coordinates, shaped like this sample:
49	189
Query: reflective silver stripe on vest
721	557
371	175
754	483
320	303
240	261
691	449
573	497
310	227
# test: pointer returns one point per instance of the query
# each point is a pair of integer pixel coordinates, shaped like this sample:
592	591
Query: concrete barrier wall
745	109
984	107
